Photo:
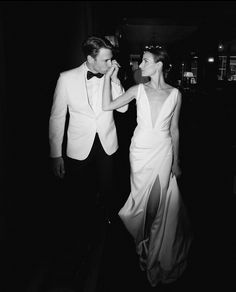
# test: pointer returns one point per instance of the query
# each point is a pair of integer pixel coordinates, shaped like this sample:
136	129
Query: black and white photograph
118	146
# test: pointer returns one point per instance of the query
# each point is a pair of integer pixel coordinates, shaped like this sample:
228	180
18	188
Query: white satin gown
163	251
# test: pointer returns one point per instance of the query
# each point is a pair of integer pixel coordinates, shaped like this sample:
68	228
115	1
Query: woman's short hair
93	44
159	54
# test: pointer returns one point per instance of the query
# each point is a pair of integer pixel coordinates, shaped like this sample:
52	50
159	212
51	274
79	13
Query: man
91	134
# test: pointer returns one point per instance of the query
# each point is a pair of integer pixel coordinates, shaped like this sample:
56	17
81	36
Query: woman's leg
152	206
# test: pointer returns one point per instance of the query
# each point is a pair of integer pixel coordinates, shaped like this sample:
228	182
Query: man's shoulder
73	72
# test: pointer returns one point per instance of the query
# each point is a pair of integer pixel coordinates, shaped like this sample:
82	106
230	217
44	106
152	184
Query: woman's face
148	66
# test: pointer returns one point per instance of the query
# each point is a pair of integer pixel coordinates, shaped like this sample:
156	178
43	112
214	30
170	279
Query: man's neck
90	67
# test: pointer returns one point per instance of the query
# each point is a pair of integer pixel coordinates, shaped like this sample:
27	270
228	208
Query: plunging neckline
149	106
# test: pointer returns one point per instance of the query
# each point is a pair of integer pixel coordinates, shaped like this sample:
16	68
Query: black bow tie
91	75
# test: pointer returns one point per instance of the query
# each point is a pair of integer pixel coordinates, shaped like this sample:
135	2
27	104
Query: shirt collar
86	69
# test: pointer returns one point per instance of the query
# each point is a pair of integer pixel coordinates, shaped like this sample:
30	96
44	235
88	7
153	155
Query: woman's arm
116	91
174	129
107	103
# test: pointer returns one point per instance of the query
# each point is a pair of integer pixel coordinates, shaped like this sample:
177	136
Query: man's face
103	61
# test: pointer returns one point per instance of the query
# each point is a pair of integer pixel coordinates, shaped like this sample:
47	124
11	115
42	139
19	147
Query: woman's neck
158	82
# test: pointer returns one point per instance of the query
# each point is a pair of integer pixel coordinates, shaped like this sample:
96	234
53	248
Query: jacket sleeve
57	118
118	90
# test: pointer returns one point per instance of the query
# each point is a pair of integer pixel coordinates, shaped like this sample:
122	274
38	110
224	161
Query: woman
154	213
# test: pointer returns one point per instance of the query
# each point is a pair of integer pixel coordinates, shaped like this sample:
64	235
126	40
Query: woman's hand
116	66
110	71
176	171
113	71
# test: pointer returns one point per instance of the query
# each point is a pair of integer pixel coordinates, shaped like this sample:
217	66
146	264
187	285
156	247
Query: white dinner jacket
84	121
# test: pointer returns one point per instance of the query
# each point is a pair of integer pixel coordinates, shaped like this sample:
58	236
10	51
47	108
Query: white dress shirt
92	85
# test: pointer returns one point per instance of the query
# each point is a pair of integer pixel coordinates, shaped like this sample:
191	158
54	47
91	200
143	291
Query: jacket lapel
82	88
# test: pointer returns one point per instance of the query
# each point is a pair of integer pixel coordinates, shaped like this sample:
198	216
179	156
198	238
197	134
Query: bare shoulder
133	90
172	88
179	95
176	92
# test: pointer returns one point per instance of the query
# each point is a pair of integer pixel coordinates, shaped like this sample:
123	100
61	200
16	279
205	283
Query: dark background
40	39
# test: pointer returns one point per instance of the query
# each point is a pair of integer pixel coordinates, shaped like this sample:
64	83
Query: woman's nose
109	63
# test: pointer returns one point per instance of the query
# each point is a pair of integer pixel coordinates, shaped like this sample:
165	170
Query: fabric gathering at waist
156	132
149	138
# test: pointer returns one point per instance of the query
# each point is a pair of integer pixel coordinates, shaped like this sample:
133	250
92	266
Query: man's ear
90	59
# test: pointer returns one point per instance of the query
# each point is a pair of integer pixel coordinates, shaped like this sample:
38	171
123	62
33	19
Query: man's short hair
93	44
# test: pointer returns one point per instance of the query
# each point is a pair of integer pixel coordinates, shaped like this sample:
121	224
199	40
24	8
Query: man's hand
58	167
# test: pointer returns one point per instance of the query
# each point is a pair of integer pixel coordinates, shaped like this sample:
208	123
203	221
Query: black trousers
89	189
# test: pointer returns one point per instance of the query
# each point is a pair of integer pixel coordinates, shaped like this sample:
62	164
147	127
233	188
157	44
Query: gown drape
163	251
